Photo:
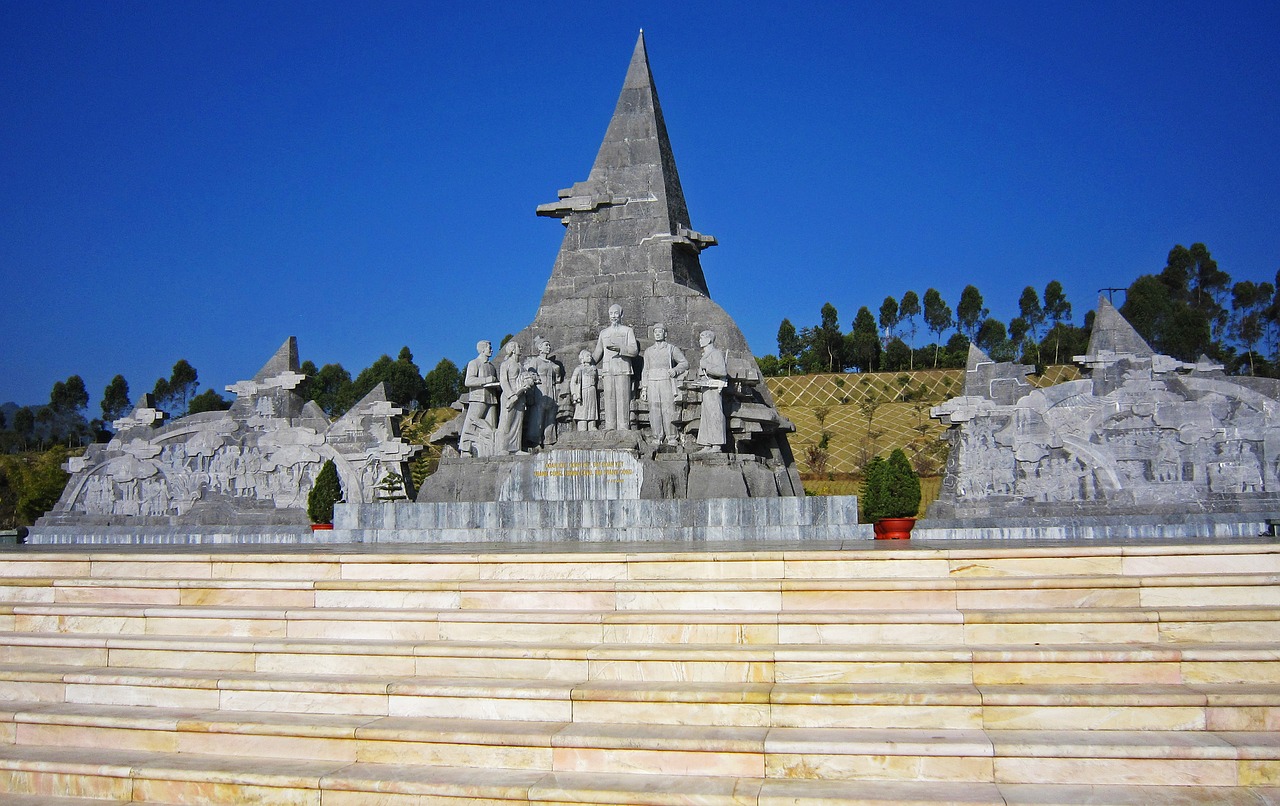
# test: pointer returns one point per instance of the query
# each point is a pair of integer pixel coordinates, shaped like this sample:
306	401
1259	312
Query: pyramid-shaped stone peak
1112	334
284	360
632	200
375	404
628	240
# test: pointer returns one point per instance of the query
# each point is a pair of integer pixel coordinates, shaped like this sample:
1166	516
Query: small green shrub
891	488
326	492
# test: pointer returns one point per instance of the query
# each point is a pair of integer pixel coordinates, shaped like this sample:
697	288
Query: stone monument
1143	435
630	257
251	466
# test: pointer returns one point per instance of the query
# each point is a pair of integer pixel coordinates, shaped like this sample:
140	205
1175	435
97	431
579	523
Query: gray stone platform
790	519
439	526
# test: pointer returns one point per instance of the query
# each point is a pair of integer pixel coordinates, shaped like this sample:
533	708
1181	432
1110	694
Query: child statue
583	386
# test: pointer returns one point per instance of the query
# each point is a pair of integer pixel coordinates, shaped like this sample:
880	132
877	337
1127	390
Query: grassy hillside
842	420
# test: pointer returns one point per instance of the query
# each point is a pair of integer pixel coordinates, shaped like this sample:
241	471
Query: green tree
955	354
1170	325
970	313
1070	339
864	342
789	345
1030	311
937	317
896	356
402	378
908	310
1022	345
992	339
1192	276
332	390
24	425
208	400
442	385
46	425
115	400
174	394
69	396
37	481
1056	310
889	318
824	345
326	492
67	403
1249	303
770	366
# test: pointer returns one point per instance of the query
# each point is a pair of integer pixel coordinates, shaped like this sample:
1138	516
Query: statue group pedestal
796	519
593	466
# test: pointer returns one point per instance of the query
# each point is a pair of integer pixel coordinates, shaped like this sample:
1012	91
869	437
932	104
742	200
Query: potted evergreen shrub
891	496
326	492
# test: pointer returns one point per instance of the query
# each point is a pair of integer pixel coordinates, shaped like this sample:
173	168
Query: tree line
1188	309
65	420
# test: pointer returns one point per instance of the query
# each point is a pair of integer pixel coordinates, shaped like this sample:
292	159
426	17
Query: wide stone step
1219	759
1248	706
654	562
786	595
973	627
784	663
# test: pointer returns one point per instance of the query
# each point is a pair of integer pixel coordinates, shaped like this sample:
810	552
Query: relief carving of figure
664	368
615	348
481	380
584	390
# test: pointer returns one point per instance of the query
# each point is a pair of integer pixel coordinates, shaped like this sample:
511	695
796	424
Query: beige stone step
868	593
122	776
650	563
1005	756
975	627
1146	795
1147	757
1026	705
983	664
11	799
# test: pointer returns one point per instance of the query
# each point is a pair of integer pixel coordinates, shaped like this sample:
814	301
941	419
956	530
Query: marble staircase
925	673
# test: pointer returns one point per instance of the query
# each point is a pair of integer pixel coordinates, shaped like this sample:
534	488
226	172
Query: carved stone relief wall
1142	434
253	464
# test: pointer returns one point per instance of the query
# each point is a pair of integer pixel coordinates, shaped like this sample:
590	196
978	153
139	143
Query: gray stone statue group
516	406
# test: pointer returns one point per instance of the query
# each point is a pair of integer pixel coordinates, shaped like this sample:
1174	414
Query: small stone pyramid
1112	333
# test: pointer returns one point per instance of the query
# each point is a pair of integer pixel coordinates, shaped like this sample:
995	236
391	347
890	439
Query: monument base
793	519
601	472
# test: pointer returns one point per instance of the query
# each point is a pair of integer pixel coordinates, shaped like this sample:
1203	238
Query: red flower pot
320	527
894	528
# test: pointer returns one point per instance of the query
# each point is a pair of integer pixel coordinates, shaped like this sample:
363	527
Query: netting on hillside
865	414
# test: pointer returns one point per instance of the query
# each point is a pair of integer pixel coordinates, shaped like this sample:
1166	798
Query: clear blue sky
201	180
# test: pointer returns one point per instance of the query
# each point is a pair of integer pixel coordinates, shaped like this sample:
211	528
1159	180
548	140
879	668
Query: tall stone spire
632	199
628	239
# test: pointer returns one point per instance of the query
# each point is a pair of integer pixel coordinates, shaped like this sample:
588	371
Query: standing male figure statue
713	375
613	353
664	368
481	379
